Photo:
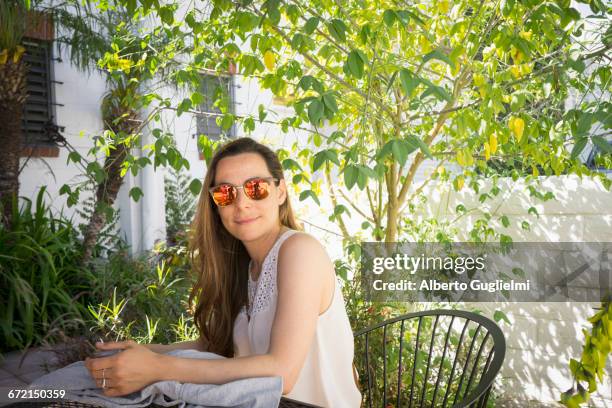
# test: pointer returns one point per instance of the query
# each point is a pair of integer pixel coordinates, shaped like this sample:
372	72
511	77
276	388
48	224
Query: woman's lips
246	220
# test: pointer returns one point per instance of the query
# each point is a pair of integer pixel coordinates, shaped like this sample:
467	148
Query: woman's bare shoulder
302	246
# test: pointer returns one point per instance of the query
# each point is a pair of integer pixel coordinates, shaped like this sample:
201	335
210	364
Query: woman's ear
282	191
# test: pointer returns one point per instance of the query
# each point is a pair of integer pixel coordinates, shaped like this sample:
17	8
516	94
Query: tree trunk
392	203
107	191
13	94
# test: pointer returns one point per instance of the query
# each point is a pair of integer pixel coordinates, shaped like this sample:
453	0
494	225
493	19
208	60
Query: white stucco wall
80	94
543	336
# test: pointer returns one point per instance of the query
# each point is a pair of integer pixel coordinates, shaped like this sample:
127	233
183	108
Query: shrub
40	276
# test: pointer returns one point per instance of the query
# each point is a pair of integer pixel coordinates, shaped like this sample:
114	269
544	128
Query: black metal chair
434	358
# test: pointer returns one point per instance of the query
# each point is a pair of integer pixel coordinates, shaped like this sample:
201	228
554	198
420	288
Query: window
212	88
38	108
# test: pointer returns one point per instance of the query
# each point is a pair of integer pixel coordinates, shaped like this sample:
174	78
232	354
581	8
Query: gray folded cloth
259	392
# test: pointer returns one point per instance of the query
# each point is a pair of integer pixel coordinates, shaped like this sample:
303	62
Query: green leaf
583	124
184	106
339	209
364	173
389	17
439	55
414	16
74	156
166	14
336	135
246	21
195	186
290	164
578	147
337	29
197	99
399	149
324	156
309	193
65	189
424	148
435	90
305	82
499	315
135	193
365	33
518	272
249	124
351	172
315	111
505	221
602	144
330	102
403	16
409	81
262	113
355	63
227	121
311	25
298	178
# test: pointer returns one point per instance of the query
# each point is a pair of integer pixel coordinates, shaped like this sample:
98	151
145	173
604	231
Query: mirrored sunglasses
256	188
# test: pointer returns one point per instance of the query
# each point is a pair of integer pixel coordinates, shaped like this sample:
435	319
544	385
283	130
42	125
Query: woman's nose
241	199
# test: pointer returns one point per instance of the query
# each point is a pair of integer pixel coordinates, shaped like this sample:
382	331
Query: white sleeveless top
326	379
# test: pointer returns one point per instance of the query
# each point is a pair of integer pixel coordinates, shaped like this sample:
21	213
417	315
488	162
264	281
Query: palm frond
86	32
12	23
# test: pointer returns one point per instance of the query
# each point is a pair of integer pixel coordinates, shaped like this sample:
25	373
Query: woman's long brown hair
220	261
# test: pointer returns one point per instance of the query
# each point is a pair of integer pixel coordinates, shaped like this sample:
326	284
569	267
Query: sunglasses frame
211	189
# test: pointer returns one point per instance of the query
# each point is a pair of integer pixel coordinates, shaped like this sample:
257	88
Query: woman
266	297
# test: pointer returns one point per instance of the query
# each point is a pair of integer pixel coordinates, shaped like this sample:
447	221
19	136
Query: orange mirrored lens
257	189
224	194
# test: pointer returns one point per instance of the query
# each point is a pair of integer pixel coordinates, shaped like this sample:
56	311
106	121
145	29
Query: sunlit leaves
337	29
311	25
327	155
517	127
439	55
357	174
409	81
250	64
602	144
269	60
355	63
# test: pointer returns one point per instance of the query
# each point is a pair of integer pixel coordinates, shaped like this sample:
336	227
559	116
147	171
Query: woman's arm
303	271
183	345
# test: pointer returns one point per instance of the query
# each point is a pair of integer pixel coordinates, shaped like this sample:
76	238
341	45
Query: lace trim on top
262	290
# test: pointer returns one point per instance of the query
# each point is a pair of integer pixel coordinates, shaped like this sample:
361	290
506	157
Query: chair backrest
436	358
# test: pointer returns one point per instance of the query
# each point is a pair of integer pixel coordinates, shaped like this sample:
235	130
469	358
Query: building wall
80	95
543	336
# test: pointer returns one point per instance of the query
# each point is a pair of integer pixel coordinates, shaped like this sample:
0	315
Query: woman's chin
248	230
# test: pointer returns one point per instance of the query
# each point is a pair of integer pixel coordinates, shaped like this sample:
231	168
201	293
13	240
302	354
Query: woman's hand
128	371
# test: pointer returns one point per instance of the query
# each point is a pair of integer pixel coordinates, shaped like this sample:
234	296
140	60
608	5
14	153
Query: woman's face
248	219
